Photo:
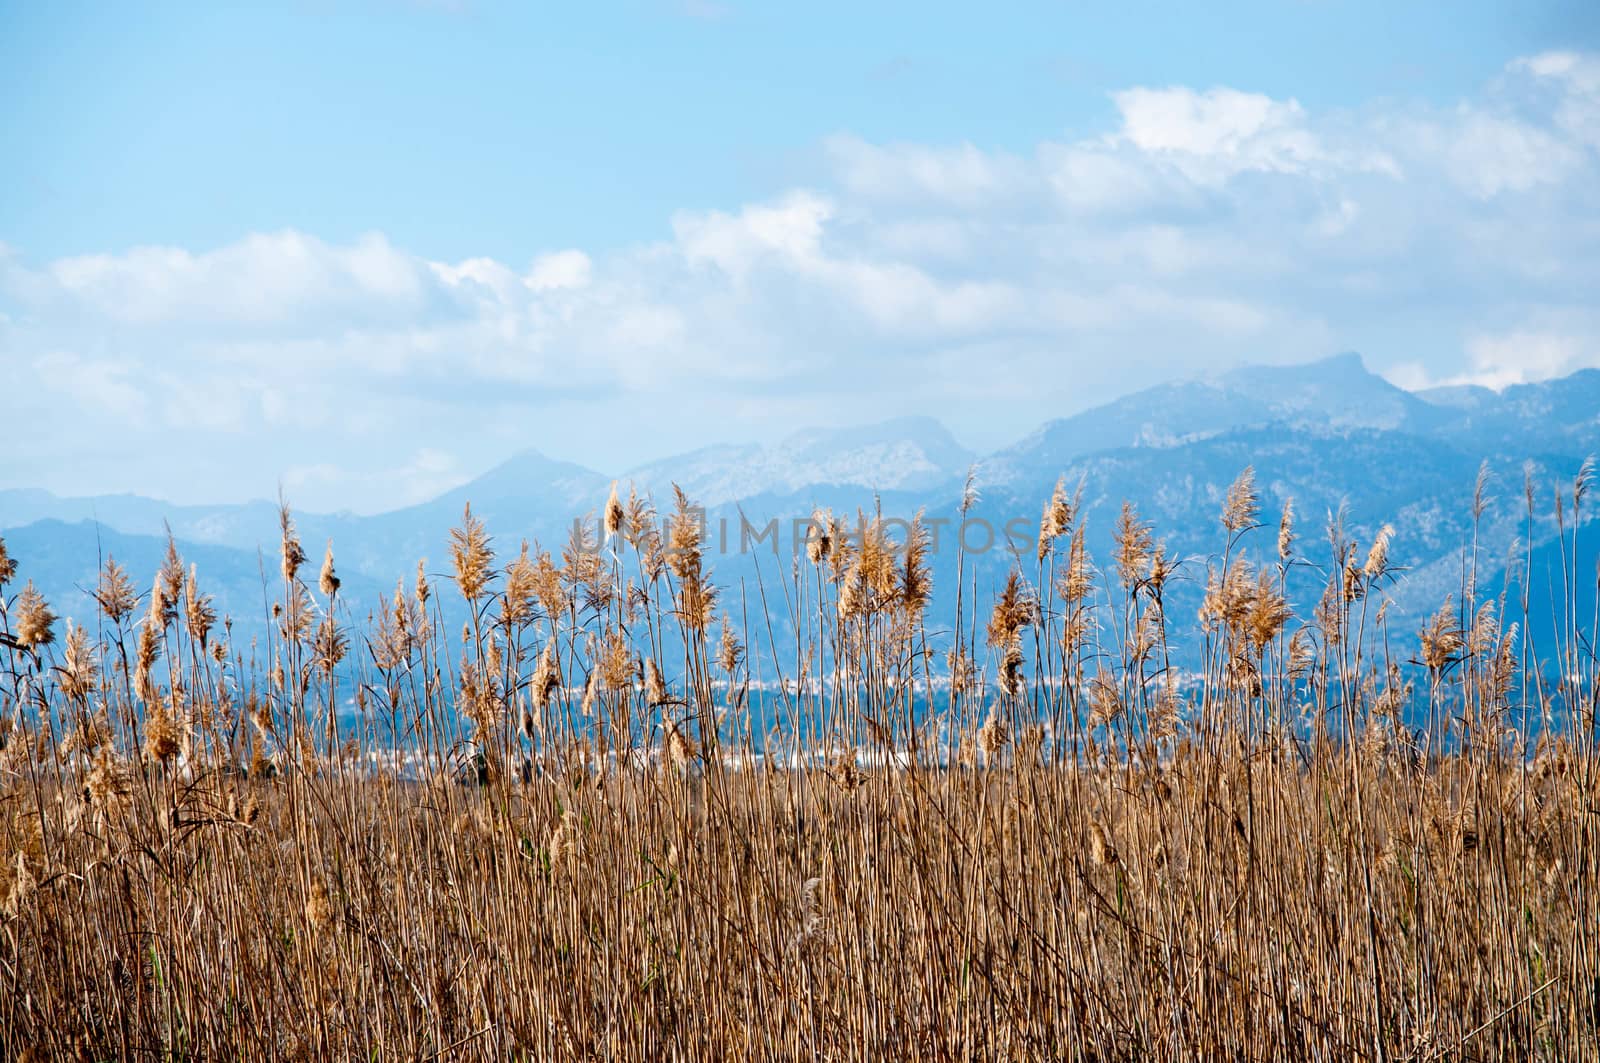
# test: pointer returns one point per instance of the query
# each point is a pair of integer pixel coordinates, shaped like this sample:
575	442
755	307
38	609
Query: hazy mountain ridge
913	453
1554	416
1325	397
1335	392
64	561
1330	434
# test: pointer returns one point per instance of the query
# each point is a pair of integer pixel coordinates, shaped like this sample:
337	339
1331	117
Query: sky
366	250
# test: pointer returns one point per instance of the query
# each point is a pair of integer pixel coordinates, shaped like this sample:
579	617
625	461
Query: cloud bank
1203	228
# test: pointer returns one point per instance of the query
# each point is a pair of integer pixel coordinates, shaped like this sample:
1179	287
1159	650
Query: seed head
1240	509
993	736
471	555
115	594
79	672
1101	850
328	582
655	689
614	516
34	619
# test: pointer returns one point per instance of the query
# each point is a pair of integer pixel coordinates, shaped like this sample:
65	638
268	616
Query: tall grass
610	820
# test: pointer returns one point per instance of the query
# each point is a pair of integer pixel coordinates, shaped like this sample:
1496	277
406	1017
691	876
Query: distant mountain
64	560
1460	396
1570	561
1329	434
242	525
1337	393
1550	417
529	497
909	454
1330	395
1419	486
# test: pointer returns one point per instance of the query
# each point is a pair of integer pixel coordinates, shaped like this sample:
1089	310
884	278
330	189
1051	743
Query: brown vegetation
555	834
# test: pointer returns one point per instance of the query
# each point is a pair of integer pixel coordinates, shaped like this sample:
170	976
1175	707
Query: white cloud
1520	357
790	230
1577	80
993	288
1499	360
264	279
1099	179
961	175
1220	131
1488	154
100	389
562	269
425	475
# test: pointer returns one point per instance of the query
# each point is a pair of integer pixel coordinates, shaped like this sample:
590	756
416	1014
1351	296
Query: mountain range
1330	434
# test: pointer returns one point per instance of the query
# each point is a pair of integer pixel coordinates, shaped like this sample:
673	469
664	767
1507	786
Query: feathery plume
79	673
172	583
591	691
1133	542
329	646
546	677
23	885
566	844
616	662
993	736
1241	506
160	732
34	619
1268	612
1076	582
729	651
683	537
614	517
199	616
327	580
1011	678
969	490
115	595
471	555
293	555
319	912
1378	557
681	749
819	537
1441	638
810	916
1012	612
1101	851
1057	518
521	589
655	688
1480	491
916	581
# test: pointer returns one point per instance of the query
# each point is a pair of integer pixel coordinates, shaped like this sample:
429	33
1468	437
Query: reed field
606	818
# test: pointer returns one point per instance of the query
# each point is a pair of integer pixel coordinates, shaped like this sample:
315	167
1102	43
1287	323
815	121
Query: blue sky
367	249
496	129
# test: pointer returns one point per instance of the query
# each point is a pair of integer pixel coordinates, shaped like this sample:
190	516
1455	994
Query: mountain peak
929	433
906	453
1347	367
1338	391
1344	361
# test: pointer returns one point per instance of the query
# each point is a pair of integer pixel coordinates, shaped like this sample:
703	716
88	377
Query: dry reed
564	838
